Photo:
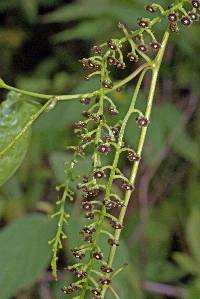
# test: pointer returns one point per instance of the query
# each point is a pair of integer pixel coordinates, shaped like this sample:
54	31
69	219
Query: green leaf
14	115
30	10
187	263
192	290
89	9
58	160
193	235
24	253
84	30
187	148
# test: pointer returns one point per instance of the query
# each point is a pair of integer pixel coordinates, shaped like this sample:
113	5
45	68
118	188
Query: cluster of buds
92	65
95	130
70	289
78	253
132	156
142	121
186	19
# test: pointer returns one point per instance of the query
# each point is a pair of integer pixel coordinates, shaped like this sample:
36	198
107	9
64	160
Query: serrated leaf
24	253
14	115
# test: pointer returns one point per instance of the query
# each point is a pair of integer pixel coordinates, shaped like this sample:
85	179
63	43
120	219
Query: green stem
109	186
96	163
119	84
121	135
142	138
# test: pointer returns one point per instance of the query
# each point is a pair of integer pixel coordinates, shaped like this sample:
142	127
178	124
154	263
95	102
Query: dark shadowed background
41	42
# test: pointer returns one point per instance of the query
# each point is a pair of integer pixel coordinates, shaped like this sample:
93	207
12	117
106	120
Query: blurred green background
41	42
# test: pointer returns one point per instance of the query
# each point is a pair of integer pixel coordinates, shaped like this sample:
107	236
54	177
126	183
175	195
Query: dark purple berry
111	60
143	23
113	111
108	138
115	131
97	255
88	239
150	8
97	50
193	16
109	204
97	118
127	187
87	138
111	44
78	254
87	230
84	62
104	148
93	192
132	156
70	289
87	206
133	57
85	101
121	65
196	4
142	121
91	64
81	274
86	114
97	67
116	225
99	174
89	216
106	269
96	292
155	46
142	48
104	281
80	125
113	242
186	21
172	17
107	84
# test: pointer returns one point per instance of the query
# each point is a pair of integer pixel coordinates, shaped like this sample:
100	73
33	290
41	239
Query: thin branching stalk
155	71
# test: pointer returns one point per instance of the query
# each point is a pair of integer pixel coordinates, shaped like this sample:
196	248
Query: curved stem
142	138
119	84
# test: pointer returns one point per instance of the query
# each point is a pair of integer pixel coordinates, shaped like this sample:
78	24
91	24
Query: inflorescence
102	203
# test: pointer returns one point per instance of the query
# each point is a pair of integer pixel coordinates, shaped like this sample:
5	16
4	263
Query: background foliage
40	44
